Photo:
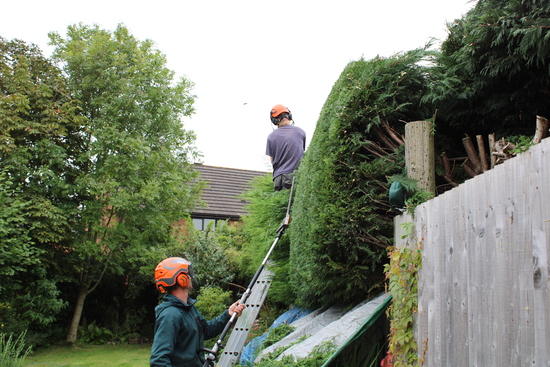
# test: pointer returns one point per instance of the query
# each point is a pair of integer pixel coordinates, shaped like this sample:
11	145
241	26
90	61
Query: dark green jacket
180	331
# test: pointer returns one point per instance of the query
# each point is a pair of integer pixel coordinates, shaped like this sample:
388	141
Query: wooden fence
483	292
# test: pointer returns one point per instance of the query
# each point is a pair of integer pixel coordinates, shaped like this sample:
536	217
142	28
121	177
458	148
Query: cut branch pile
478	160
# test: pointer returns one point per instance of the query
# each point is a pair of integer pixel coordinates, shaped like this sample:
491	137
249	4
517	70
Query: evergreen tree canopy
494	69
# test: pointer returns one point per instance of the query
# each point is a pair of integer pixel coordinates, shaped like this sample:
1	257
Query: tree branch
472	155
542	129
482	153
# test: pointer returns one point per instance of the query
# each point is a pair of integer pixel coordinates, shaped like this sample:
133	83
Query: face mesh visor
191	274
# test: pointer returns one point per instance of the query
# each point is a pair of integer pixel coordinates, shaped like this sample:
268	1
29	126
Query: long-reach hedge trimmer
212	353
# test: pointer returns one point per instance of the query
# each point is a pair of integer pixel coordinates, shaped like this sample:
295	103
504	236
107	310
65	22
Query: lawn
128	355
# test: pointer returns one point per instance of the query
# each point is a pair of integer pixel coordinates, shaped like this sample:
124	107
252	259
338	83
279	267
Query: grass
127	355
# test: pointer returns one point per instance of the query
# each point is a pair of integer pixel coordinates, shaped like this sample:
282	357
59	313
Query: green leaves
98	165
40	139
492	74
13	350
402	276
137	171
212	301
267	209
137	177
341	221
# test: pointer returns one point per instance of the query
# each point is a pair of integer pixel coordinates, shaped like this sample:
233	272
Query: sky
245	56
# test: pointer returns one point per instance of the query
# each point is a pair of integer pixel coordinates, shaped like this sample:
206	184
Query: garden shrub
212	301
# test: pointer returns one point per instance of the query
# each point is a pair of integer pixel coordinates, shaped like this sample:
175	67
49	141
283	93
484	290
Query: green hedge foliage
493	72
267	209
341	223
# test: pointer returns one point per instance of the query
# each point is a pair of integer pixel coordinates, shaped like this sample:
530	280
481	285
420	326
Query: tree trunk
472	155
448	176
542	129
482	153
77	315
492	141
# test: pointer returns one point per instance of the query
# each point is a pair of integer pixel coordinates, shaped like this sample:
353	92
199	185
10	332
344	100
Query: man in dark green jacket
180	329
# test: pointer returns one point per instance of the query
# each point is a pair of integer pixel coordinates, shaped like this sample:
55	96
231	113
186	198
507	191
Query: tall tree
136	170
493	73
40	130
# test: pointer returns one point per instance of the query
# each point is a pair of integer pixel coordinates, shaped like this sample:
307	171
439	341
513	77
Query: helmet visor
191	273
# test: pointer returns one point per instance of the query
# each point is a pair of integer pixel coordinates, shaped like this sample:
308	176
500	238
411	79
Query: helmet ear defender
183	280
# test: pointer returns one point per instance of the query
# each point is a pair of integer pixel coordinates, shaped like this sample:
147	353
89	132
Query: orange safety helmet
276	111
172	271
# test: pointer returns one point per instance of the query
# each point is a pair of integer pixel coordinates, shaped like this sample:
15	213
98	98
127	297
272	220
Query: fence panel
483	287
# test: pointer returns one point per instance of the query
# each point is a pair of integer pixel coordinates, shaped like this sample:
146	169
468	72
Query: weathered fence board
483	287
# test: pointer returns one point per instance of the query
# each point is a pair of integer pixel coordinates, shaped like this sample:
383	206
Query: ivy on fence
402	275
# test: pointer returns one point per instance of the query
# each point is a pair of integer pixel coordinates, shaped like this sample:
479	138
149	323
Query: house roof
224	186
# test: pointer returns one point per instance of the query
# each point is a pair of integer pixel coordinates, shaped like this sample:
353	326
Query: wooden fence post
420	154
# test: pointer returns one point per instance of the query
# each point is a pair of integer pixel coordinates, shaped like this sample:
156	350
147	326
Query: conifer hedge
341	225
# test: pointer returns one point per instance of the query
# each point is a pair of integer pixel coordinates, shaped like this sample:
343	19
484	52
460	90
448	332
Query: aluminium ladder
232	352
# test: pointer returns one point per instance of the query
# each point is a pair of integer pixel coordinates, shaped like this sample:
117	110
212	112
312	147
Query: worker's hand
236	308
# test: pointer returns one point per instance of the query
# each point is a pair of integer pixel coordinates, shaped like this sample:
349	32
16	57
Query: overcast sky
245	56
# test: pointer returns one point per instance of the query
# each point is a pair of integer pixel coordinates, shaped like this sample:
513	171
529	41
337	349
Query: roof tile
224	186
